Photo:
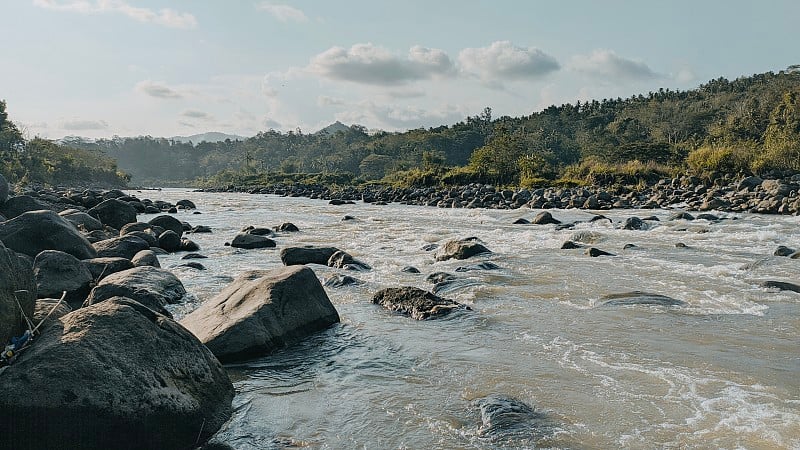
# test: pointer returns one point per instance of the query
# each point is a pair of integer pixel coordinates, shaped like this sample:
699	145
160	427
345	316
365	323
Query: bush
721	159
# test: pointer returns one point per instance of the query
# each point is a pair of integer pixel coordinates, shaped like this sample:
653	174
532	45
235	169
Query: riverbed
723	371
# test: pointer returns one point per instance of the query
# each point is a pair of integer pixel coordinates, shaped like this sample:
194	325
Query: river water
721	372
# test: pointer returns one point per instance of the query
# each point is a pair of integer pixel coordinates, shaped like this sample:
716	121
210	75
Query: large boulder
113	375
545	218
82	220
249	241
103	267
36	231
57	272
169	241
17	288
261	311
291	256
121	247
114	213
4	188
460	249
150	286
146	258
168	223
15	206
415	302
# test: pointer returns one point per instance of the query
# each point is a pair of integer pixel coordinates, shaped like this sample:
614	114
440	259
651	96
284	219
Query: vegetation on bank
750	125
39	161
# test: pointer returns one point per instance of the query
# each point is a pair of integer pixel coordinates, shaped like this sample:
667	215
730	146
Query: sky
99	68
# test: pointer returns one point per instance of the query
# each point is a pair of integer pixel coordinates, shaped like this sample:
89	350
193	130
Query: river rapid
721	372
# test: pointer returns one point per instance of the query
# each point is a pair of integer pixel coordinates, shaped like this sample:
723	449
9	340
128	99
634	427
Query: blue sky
99	68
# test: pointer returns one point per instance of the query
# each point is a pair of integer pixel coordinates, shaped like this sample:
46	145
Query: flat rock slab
150	286
415	302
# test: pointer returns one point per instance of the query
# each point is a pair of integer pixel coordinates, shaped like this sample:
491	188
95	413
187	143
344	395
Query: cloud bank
503	60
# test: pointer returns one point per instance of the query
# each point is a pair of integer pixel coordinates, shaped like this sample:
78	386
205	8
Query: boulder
134	226
460	249
568	245
36	231
17	284
4	189
511	421
57	272
146	258
201	229
486	265
185	204
114	375
681	216
339	280
121	247
287	227
781	285
634	223
259	231
169	240
168	223
415	302
114	213
522	222
15	206
595	252
261	311
291	256
545	218
782	250
343	260
103	267
193	265
410	269
194	256
187	245
147	236
250	241
639	298
150	286
438	277
83	220
49	310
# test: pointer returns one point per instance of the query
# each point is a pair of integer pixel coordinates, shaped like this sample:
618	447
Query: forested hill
750	124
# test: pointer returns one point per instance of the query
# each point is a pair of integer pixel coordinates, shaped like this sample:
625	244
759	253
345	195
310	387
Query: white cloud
83	125
195	114
370	64
502	61
401	117
324	100
165	17
284	13
608	64
157	89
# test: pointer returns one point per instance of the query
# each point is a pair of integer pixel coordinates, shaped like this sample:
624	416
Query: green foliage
721	159
595	171
782	138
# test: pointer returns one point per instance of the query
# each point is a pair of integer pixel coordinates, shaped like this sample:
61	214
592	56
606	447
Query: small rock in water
681	245
522	222
438	277
545	218
430	247
595	252
781	285
783	250
629	246
506	418
486	265
339	280
570	245
634	223
640	298
409	269
194	256
415	302
193	265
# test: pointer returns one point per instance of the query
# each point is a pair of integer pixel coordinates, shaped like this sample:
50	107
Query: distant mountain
213	136
333	129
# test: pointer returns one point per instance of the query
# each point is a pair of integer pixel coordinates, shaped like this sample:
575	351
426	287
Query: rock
83	220
545	218
783	251
461	249
415	302
599	217
258	231
339	280
409	269
781	285
193	265
15	206
291	256
639	298
634	223
134	226
57	272
17	284
52	306
681	216
169	240
522	222
287	227
188	245
201	229
507	419
570	245
629	246
595	252
486	265
150	286
261	311
121	247
347	218
194	256
3	189
707	216
430	247
125	378
103	267
343	260
250	241
681	245
36	231
114	213
146	258
587	237
795	255
749	183
438	277
168	223
99	235
186	204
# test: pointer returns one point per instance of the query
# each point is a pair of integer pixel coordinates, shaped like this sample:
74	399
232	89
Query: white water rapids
721	372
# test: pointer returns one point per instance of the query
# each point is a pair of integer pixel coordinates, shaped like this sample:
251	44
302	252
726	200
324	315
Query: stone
168	223
57	272
258	231
460	249
634	223
134	226
343	260
146	258
169	241
595	252
251	241
545	218
114	375
261	311
185	204
103	267
193	265
522	222
409	269
287	227
339	280
153	287
416	303
291	256
17	289
121	247
15	206
36	231
83	221
781	285
568	245
681	216
782	250
486	265
508	420
114	213
187	245
194	256
201	229
438	277
49	310
639	298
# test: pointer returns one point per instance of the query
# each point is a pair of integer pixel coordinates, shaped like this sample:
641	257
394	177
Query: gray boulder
261	311
512	422
460	249
634	223
782	250
545	218
291	256
103	267
49	310
15	206
168	223
339	280
36	231
287	227
125	378
17	284
57	272
146	258
640	298
415	302
121	247
343	260
169	241
150	286
781	285
250	241
134	226
82	220
114	213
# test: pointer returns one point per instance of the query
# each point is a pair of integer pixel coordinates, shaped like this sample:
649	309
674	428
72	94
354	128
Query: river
721	372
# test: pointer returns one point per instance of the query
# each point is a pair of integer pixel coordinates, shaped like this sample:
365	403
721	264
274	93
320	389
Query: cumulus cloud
196	114
165	17
157	89
324	100
503	60
83	125
608	64
284	13
370	64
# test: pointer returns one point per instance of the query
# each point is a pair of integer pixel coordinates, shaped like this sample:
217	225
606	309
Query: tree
10	136
782	138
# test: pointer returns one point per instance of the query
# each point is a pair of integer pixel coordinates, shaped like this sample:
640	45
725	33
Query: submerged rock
251	241
460	249
508	419
121	247
545	218
782	250
595	252
486	265
343	260
781	285
415	302
634	223
339	280
639	298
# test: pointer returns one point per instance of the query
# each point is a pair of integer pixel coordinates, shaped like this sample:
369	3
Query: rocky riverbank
773	195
